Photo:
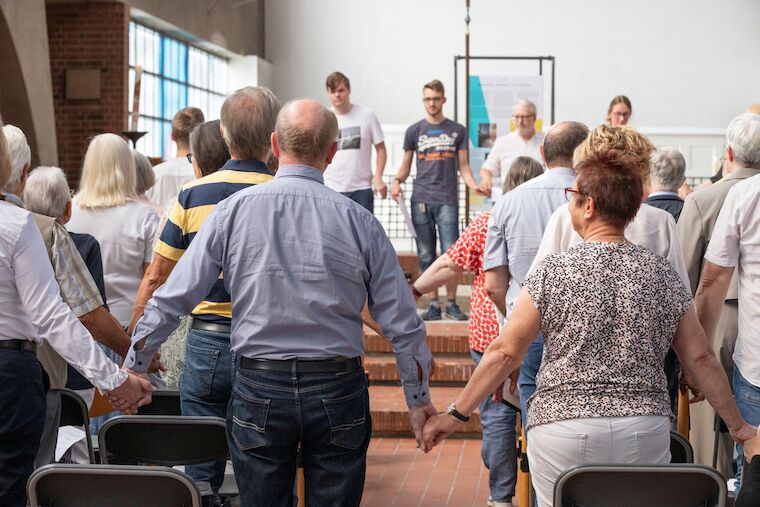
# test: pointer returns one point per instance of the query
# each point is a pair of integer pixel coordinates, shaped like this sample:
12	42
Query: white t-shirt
651	227
507	148
736	242
351	169
170	176
125	234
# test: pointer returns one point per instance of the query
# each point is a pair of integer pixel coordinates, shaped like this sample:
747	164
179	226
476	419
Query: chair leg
683	413
300	481
523	473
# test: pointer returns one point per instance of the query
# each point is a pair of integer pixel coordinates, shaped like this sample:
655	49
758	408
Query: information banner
491	101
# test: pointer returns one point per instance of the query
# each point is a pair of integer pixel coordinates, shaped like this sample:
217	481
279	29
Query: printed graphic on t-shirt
437	145
350	138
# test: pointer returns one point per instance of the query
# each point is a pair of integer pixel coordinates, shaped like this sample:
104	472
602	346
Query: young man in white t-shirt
172	174
350	172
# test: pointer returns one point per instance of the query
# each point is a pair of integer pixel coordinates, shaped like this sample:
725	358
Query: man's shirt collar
300	171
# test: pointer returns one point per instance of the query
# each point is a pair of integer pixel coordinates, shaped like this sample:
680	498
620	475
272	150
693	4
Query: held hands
752	447
437	428
744	433
132	394
418	416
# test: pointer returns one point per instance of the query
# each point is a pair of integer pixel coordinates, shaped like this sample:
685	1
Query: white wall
683	63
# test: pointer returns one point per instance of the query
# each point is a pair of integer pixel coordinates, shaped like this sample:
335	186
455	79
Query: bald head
306	133
560	143
754	108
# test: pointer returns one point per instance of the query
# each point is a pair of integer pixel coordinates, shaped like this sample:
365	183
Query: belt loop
294	369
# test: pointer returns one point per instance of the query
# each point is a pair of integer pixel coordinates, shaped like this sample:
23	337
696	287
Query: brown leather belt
337	365
18	345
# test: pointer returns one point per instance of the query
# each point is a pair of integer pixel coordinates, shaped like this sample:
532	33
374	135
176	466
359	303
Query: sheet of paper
405	213
67	436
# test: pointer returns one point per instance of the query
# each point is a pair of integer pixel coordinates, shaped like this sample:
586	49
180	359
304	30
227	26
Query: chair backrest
680	449
112	485
74	412
634	485
164	402
162	440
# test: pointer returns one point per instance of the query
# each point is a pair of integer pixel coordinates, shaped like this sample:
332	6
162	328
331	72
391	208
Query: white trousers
557	446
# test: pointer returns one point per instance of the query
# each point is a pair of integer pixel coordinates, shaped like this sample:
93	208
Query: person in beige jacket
695	227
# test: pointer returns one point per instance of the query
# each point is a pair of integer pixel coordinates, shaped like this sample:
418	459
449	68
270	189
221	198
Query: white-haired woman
106	208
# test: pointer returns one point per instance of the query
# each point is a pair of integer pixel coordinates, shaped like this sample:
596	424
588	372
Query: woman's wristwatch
452	410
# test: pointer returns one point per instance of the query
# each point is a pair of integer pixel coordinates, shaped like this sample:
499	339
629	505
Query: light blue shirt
517	224
299	261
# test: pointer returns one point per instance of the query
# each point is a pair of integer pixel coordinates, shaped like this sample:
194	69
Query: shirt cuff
113	381
138	360
720	261
417	395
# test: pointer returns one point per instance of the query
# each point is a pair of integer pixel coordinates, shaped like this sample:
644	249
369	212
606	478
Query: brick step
442	336
449	368
390	415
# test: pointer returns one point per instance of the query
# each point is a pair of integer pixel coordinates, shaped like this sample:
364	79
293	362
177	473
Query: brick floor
400	475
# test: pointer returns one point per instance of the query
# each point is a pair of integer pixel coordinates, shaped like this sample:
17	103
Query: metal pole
467	102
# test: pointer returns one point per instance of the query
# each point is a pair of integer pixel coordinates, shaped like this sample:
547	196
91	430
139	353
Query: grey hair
305	141
668	169
526	103
248	117
743	136
521	170
145	178
47	192
19	152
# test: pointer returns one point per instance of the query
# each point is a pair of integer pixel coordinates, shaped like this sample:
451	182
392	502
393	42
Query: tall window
175	75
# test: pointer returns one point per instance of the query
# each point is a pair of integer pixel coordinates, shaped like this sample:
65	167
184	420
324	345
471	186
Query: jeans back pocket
249	421
348	419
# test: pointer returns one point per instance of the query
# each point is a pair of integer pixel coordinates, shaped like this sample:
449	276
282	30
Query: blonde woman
106	208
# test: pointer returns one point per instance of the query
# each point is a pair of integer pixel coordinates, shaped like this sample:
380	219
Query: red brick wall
88	35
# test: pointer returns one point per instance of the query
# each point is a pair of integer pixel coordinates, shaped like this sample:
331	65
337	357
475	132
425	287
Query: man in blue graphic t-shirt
440	146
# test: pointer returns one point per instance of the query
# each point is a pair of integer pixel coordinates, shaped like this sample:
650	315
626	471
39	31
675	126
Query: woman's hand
437	428
752	447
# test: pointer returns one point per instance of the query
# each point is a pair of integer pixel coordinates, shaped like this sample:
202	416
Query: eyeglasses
518	117
569	191
189	157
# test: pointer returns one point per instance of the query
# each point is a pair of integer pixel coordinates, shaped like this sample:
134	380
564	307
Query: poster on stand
491	102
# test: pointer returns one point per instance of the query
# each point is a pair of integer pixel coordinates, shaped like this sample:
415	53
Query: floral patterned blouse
609	312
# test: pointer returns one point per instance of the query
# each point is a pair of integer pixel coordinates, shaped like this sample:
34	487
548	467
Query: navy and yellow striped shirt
195	202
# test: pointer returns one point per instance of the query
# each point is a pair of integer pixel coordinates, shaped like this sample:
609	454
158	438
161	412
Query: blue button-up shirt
299	261
517	225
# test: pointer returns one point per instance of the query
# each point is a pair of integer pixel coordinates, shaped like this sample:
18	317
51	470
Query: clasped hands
135	392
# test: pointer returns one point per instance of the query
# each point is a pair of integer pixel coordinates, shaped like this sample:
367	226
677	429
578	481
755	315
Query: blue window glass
175	75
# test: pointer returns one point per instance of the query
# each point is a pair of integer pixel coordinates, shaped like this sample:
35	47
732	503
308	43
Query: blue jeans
365	197
425	218
498	449
22	405
272	412
205	388
747	398
526	382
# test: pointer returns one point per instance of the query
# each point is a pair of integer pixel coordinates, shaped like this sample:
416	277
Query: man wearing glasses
523	141
441	146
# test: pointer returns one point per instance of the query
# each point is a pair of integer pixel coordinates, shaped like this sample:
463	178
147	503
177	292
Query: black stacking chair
165	402
680	449
111	485
635	486
74	413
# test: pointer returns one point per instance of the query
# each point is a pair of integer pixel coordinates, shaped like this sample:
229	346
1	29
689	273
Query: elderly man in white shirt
524	141
735	242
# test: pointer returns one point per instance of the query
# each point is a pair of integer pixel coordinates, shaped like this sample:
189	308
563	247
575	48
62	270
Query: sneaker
498	503
454	312
432	313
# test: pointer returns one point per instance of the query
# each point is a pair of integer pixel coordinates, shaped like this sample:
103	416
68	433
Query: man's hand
478	190
379	187
752	447
132	394
437	428
418	416
395	189
744	433
498	394
486	183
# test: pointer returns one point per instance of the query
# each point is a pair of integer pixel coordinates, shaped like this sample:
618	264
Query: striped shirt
195	202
